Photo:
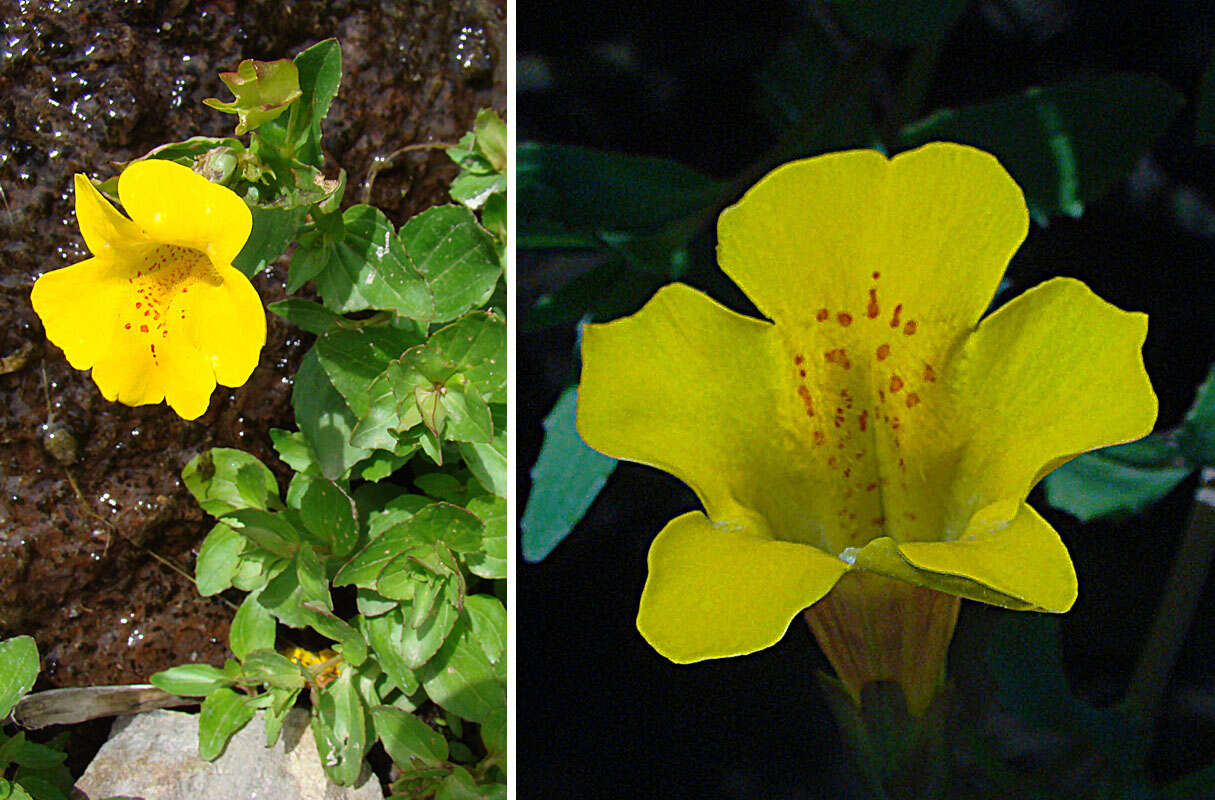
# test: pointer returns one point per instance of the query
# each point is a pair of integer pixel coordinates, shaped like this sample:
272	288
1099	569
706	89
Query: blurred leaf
493	732
325	419
406	737
252	628
281	702
1065	144
223	713
273	230
1197	434
18	671
386	634
455	257
1124	479
223	479
1204	123
459	785
191	680
1027	665
606	291
467	675
900	22
308	315
566	479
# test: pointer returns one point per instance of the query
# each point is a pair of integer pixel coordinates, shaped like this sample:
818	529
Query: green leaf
281	703
273	533
223	713
487	461
191	680
353	359
443	522
307	315
474	346
468	416
1119	480
325	419
262	90
406	737
329	513
294	451
493	732
340	730
222	480
1197	434
386	634
366	268
490	560
273	230
273	669
566	479
900	22
419	645
252	628
1065	144
320	74
467	676
455	257
459	785
218	560
18	671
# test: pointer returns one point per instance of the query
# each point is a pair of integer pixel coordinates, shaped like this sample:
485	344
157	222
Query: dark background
601	715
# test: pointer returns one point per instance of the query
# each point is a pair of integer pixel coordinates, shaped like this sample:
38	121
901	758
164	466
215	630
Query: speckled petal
106	232
225	322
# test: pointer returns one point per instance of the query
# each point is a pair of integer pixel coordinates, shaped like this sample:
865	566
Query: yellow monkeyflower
158	312
875	440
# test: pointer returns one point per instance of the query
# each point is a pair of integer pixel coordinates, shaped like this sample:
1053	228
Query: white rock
154	756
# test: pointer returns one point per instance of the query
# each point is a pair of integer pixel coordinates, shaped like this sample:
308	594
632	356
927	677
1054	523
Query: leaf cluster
28	770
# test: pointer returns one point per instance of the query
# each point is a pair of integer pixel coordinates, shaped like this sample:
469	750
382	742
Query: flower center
165	273
867	382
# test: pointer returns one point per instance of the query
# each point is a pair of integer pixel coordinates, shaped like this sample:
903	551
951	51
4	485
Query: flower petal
1052	374
718	590
188	378
938	224
1017	563
694	389
129	375
175	205
104	229
224	322
78	306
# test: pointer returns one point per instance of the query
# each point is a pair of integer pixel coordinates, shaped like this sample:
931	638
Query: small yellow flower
875	428
158	312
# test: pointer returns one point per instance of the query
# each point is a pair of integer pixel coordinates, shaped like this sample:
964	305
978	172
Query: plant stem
1182	589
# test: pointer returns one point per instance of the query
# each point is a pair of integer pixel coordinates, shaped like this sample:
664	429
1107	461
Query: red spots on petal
819	437
139	305
910	327
883	351
822	315
832	461
844	318
847	472
143	328
894	320
895	423
864	418
913	400
902	465
838	356
876	275
127	326
184	290
896	383
873	310
881	395
879	521
801	373
804	393
871	487
909	515
930	374
797	359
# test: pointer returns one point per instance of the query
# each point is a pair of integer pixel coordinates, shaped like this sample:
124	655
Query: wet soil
97	533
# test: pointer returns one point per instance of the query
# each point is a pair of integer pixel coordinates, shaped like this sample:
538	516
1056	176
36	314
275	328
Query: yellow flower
158	312
874	429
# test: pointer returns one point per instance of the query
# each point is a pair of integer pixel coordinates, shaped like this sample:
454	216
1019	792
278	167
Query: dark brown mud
94	520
